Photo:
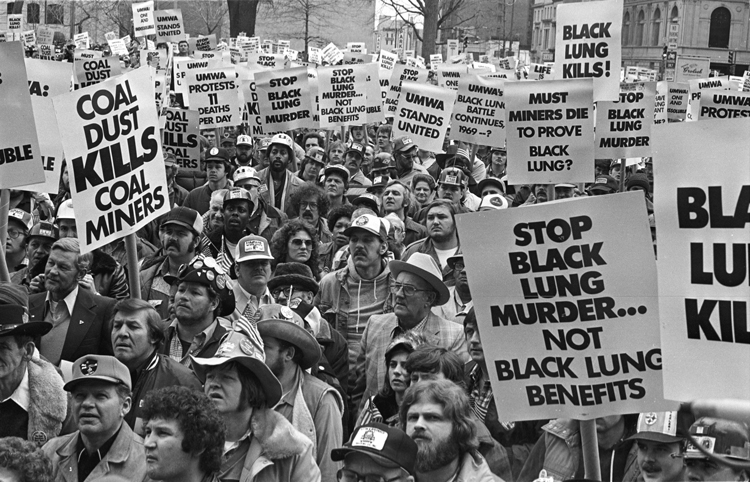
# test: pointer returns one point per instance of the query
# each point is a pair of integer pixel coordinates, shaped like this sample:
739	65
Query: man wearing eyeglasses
405	153
311	204
416	287
377	453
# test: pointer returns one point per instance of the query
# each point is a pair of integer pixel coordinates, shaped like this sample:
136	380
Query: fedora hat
288	326
425	267
15	321
237	346
293	274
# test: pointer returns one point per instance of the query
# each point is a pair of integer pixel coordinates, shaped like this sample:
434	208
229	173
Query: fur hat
293	274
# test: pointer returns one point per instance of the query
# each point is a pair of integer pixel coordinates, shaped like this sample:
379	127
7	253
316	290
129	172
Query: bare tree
304	19
211	14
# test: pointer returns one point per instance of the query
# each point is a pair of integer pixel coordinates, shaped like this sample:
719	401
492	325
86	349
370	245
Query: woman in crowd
423	187
295	243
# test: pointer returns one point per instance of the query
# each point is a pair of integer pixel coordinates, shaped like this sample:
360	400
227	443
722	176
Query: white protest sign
184	65
81	40
332	54
550	131
623	128
660	102
399	74
745	87
356	47
270	61
180	137
479	113
46	80
435	60
314	55
250	97
15	22
92	71
423	113
449	76
46	51
388	60
169	25
342	94
28	37
587	45
697	87
204	43
45	35
498	74
143	19
540	72
724	105
114	155
374	93
284	99
563	332
213	93
689	68
677	103
118	47
702	264
87	55
350	58
20	156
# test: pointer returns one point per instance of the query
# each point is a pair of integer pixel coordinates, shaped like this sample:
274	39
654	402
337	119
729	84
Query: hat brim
348	232
268	381
655	437
179	223
93	378
254	257
33	328
435	282
294	334
491	182
367	202
339	454
293	279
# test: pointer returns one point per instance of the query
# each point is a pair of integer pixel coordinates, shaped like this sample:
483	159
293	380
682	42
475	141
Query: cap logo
451	179
39	437
225	349
88	367
407	141
601	180
254	245
650	418
361	221
214	151
287	313
707	443
495	201
370	437
45	232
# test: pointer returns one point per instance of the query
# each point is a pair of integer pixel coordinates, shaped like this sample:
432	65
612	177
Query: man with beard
244	151
460	295
40	240
180	235
436	415
221	244
253	267
311	205
659	441
405	153
277	182
396	199
218	165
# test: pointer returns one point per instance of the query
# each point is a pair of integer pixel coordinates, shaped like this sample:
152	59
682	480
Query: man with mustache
311	204
253	267
659	441
408	162
244	152
265	220
180	235
221	244
277	181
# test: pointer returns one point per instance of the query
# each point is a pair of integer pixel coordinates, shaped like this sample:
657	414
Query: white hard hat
282	139
65	211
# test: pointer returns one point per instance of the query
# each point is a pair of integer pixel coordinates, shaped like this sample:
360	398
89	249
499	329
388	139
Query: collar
400	330
70	300
21	394
289	397
201	337
229	446
101	451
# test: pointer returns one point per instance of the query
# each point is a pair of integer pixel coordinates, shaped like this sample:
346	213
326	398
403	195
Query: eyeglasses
304	205
288	291
409	290
14	233
346	475
458	266
299	242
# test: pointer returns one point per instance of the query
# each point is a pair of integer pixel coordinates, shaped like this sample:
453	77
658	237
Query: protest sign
15	22
184	65
698	86
332	54
342	94
356	47
143	19
350	58
114	155
483	66
678	100
449	76
180	137
20	157
745	86
46	80
314	55
587	44
169	25
284	99
560	307
82	41
204	43
28	38
373	91
86	55
423	113
724	105
540	72
270	61
701	204
250	97
550	131
497	74
45	35
623	128
435	60
93	71
118	47
660	102
479	113
213	93
312	82
401	73
688	68
388	60
46	51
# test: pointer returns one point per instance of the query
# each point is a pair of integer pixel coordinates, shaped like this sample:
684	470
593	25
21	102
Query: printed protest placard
701	203
284	99
540	72
213	93
28	38
204	43
587	45
45	35
449	76
678	95
356	47
93	71
374	111
184	65
118	47
342	94
169	25
698	86
180	137
246	78
746	81
312	83
270	61
114	155
550	131
623	128
15	22
82	41
400	74
479	113
350	58
388	60
46	51
46	80
143	19
689	68
332	54
560	307
660	102
20	157
314	55
435	60
724	105
423	113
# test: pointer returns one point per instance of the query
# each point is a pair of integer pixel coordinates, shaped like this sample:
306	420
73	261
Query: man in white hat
277	181
416	286
19	225
253	267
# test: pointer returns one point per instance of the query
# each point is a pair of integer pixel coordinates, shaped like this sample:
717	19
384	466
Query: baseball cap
565	185
658	427
493	201
604	183
99	368
494	181
388	446
316	154
369	223
218	154
46	230
720	437
244	140
357	148
403	144
264	143
252	247
201	270
243	173
229	141
169	159
452	176
368	199
21	216
186	217
498	149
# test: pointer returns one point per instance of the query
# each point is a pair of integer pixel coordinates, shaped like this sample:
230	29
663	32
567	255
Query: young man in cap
33	403
315	160
19	225
277	181
201	288
453	186
310	203
726	439
265	219
442	237
498	162
604	184
291	350
218	164
397	199
103	444
221	244
243	150
38	247
336	185
261	445
184	437
355	154
408	163
81	320
416	286
136	337
253	268
659	440
180	235
377	450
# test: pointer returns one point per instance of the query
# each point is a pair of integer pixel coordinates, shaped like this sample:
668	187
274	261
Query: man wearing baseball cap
377	450
659	440
724	440
336	185
19	225
453	185
218	165
180	234
103	444
253	268
604	184
38	246
358	182
277	181
408	163
221	243
315	160
564	190
498	162
244	149
265	219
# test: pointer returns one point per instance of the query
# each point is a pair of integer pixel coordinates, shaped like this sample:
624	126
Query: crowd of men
304	314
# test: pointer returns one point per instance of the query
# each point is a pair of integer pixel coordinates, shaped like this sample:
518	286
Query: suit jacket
90	329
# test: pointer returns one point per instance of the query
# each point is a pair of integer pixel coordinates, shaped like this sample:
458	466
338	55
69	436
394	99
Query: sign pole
4	208
623	161
131	248
590	447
